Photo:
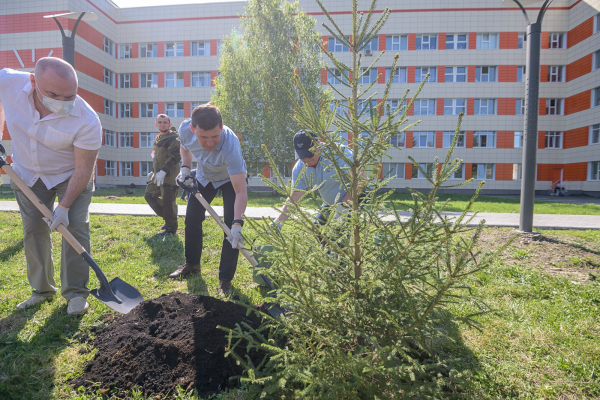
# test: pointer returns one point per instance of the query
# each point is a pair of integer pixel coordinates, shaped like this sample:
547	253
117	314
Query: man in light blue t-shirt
319	171
220	167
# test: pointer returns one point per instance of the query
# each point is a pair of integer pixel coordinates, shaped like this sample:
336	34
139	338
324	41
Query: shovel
273	309
117	294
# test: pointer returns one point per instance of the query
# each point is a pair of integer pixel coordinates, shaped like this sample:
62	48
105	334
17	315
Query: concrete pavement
540	221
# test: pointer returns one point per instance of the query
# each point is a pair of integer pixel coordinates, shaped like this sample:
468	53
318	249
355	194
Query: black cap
302	143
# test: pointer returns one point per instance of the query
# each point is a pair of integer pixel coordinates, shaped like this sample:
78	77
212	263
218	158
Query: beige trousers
74	270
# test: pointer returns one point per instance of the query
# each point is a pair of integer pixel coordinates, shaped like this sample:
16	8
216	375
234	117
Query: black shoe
184	269
165	234
224	287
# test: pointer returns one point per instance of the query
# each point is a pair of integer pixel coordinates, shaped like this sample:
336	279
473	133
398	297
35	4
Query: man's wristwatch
239	221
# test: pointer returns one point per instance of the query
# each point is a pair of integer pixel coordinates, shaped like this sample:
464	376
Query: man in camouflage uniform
161	192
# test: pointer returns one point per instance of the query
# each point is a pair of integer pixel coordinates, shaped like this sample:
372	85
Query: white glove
60	216
236	234
159	177
149	177
340	210
184	175
277	224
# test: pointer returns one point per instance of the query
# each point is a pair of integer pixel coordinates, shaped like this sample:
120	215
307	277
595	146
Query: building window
342	106
557	40
371	46
595	171
448	137
200	79
174	109
424	107
518	144
392	105
125	51
487	41
174	79
485	106
335	46
398	77
595	134
393	170
520	107
109	46
484	139
597	23
126	139
368	77
423	139
456	74
483	171
145	168
201	48
396	42
126	168
521	43
109	138
426	42
485	74
554	107
369	105
125	81
553	140
398	140
147	139
597	60
148	110
596	97
421	72
149	80
220	47
417	174
108	77
556	73
456	42
174	49
148	50
517	170
110	168
521	74
454	106
459	173
335	77
197	103
124	110
109	107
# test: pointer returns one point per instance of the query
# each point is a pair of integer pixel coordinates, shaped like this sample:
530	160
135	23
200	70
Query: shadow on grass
167	253
27	365
571	244
11	250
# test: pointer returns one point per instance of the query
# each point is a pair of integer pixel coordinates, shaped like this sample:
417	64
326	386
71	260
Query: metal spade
117	294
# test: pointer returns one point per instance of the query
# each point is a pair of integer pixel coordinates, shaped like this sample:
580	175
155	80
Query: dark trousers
163	200
195	216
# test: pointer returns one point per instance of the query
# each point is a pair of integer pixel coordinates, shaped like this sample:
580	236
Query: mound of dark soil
169	341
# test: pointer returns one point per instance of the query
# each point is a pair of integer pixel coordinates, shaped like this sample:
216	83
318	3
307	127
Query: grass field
402	201
542	341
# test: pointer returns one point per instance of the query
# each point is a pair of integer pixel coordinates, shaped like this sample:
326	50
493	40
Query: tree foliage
277	44
369	295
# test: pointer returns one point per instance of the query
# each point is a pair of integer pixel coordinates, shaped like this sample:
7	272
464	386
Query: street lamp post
532	85
68	42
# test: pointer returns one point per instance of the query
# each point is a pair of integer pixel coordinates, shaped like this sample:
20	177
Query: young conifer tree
368	294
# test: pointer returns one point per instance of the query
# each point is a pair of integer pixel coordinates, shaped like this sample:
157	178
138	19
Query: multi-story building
134	63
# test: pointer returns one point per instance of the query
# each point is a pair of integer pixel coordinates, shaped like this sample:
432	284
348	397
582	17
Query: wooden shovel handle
225	228
42	207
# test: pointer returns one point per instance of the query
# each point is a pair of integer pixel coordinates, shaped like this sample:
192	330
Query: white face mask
56	106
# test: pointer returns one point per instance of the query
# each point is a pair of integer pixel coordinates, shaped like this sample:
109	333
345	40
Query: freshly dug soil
168	341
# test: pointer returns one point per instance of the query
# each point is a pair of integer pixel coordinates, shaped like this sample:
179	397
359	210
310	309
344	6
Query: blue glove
60	216
159	177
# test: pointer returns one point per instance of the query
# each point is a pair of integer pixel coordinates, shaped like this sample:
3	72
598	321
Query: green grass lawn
402	201
542	341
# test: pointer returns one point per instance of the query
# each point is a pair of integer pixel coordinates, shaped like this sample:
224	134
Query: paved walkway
541	221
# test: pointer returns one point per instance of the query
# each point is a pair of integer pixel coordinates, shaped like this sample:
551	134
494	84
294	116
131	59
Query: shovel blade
125	297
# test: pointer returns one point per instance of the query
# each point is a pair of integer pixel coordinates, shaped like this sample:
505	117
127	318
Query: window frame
144	50
456	109
108	46
455	42
198	51
107	74
593	171
144	110
518	139
426	40
125	110
487	41
400	72
178	113
556	73
369	78
520	108
200	77
553	140
518	173
110	105
398	168
594	131
416	172
144	80
420	74
448	136
555	106
147	140
336	46
125	51
475	166
125	80
490	137
110	170
490	73
398	140
125	140
402	42
146	167
557	40
174	79
110	138
429	137
427	105
126	169
521	73
333	79
596	97
455	74
176	50
479	106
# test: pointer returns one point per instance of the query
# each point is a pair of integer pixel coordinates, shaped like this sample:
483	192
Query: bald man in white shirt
55	140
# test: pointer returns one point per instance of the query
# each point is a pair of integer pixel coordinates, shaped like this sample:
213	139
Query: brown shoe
184	270
224	287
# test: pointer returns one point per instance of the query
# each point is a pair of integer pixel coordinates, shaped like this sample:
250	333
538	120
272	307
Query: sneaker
184	270
77	306
32	301
224	287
